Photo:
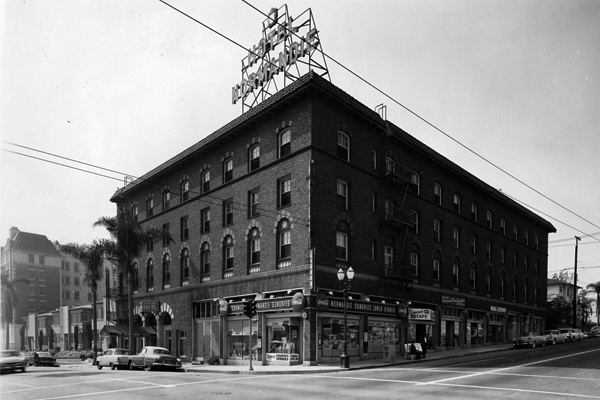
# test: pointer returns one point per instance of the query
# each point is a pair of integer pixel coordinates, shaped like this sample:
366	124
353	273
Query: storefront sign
357	306
223	308
298	302
275	304
150	306
421	314
498	309
402	310
322	302
453	301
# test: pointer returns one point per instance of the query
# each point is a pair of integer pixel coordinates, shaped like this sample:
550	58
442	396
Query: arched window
205	262
149	207
341	241
457	203
254	246
166	273
228	253
416	186
284	244
343	146
166	197
185	190
150	275
184	267
456	271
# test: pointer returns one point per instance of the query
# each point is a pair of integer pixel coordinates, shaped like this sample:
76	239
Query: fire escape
115	308
399	223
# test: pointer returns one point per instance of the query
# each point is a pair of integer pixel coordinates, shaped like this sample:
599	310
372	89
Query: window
374	250
32	290
472	278
31	273
341	246
228	212
166	199
76	267
436	269
515	257
389	209
150	274
66	295
526	264
526	237
205	181
253	203
76	281
416	221
89	295
414	262
165	240
437	230
65	266
149	245
343	146
254	246
42	274
66	280
31	259
488	281
488	250
342	194
456	238
437	193
515	231
474	213
42	260
134	213
503	226
535	267
185	190
374	159
390	165
228	253
205	259
285	143
457	203
455	272
284	240
373	203
184	267
150	206
254	155
135	276
416	187
489	219
535	292
166	272
284	192
42	290
502	282
473	244
76	295
184	230
536	242
388	256
205	220
227	170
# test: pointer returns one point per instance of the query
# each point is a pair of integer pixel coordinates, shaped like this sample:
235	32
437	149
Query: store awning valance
121	329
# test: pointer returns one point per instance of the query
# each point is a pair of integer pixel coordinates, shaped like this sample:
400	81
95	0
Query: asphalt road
569	371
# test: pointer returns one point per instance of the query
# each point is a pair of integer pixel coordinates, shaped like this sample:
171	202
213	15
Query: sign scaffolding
289	48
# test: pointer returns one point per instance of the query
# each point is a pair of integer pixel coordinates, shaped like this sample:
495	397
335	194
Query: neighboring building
309	182
33	256
558	288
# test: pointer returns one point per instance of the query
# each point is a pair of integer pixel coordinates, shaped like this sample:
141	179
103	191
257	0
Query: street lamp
345	277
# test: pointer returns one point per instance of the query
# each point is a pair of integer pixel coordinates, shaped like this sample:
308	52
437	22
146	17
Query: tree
10	299
560	312
92	257
584	307
595	287
563	276
129	238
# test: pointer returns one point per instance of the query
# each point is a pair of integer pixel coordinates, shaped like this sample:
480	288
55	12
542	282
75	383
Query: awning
121	329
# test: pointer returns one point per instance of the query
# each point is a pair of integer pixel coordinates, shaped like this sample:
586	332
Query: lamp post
345	277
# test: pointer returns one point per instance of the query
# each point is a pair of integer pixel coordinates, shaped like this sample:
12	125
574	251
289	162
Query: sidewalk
354	365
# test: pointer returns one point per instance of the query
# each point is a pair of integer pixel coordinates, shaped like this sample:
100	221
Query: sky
126	85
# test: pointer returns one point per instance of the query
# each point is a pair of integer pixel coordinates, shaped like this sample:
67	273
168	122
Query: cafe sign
421	314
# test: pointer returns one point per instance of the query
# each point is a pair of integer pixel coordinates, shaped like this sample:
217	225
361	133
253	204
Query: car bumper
12	366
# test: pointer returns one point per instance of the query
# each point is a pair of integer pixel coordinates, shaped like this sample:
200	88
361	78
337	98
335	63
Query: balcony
397	217
400	273
398	173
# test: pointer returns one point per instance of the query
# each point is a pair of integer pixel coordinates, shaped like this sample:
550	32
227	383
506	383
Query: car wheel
99	366
113	367
533	344
131	366
148	368
553	342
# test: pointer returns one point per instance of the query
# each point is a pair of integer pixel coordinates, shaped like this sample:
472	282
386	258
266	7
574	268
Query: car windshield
531	334
120	352
9	353
548	332
44	355
161	351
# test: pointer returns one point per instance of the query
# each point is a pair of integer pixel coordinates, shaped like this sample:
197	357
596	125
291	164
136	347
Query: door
206	348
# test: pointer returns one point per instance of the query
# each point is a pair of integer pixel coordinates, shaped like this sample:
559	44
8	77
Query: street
552	372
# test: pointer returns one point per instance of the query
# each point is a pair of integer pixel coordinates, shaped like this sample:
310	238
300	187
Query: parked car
43	358
554	336
114	358
572	334
11	360
578	335
151	357
531	339
594	332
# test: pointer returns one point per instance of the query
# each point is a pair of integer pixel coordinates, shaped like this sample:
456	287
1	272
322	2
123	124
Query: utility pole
577	239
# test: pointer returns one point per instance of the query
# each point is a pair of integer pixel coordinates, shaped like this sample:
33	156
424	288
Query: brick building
309	182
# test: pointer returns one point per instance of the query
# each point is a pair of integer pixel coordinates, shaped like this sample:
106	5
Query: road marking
561	395
474	362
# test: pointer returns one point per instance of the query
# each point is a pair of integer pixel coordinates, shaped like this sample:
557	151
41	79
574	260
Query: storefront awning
121	329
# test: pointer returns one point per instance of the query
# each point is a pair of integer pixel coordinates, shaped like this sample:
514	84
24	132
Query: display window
332	336
283	340
238	343
380	334
449	333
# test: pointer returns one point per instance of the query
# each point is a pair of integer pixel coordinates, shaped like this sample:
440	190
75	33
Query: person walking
424	345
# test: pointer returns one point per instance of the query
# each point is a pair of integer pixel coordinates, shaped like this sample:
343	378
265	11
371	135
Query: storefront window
380	334
333	337
283	341
238	343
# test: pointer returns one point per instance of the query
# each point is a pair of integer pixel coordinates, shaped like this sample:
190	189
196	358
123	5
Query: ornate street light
345	277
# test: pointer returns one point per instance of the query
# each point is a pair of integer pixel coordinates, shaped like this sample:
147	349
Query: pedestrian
424	346
413	350
36	358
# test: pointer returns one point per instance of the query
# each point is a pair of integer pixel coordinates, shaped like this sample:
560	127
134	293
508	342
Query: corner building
273	204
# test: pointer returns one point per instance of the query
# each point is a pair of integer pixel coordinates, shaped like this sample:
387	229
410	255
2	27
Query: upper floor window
149	244
165	239
456	238
455	274
254	246
285	143
228	252
488	250
134	213
388	255
502	253
515	231
414	262
284	192
254	155
502	283
42	260
488	280
205	259
374	159
205	220
536	242
341	243
474	213
389	209
489	219
416	221
437	230
416	183
526	237
436	269
166	199
253	203
205	181
150	274
149	206
227	170
457	203
228	212
373	202
284	240
437	193
473	278
342	194
184	266
390	165
343	146
184	231
31	258
473	244
166	264
503	226
42	274
185	190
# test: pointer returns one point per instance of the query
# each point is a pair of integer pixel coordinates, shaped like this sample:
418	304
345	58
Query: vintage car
554	336
594	332
11	360
43	358
571	334
114	358
532	339
151	357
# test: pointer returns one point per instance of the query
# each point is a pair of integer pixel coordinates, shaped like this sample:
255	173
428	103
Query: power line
571	238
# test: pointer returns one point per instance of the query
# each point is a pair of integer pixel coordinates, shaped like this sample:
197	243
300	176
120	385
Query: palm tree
92	256
10	299
595	287
129	238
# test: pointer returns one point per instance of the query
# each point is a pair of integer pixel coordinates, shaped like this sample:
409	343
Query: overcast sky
126	85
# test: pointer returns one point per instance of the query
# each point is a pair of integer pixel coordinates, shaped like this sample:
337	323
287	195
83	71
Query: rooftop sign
285	52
